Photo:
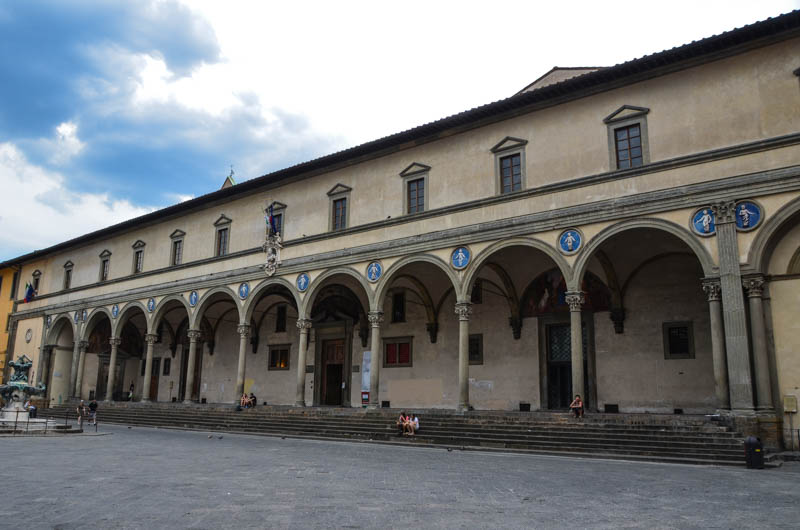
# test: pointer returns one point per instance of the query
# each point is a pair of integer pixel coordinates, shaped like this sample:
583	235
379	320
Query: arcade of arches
502	334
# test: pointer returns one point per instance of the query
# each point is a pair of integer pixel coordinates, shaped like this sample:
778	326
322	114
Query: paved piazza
153	478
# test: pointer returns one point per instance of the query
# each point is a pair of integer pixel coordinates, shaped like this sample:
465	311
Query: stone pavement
154	478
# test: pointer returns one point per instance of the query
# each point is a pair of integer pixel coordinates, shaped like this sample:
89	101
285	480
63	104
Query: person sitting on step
401	423
577	406
253	400
244	401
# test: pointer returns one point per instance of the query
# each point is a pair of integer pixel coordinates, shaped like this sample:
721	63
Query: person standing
93	411
81	410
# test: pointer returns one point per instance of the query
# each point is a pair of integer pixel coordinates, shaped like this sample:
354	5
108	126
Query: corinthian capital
303	324
150	338
724	212
114	342
464	310
82	345
713	289
575	299
375	318
754	286
194	335
243	330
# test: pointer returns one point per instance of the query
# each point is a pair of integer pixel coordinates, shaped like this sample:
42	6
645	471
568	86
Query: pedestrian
93	411
81	410
130	392
31	408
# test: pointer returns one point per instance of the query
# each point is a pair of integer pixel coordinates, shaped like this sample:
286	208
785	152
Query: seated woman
401	423
244	400
577	406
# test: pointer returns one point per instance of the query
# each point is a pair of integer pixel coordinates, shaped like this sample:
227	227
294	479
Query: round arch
250	303
202	305
161	309
93	319
56	326
125	315
581	264
760	250
386	279
488	252
319	281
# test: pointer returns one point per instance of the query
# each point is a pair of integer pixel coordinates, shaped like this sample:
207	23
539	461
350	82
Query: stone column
737	351
300	396
713	291
112	368
758	334
150	339
575	300
375	320
81	360
244	333
44	371
463	310
73	371
194	336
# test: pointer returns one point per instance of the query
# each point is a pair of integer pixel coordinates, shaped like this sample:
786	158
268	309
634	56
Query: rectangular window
156	367
177	251
67	278
280	319
340	214
138	261
399	307
629	146
416	196
36	284
278	223
397	352
510	173
104	270
279	357
476	349
167	365
222	241
14	285
144	365
678	340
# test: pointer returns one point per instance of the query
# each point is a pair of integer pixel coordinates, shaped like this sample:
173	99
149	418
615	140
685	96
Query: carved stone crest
272	248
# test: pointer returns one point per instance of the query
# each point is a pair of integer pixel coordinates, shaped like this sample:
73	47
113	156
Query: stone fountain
16	392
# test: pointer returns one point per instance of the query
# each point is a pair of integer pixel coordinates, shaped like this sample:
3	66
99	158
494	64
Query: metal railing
26	427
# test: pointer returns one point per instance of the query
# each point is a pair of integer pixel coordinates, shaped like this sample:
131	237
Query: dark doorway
333	372
102	379
154	379
559	366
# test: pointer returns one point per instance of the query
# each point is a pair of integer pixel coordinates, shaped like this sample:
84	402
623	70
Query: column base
144	400
187	401
299	403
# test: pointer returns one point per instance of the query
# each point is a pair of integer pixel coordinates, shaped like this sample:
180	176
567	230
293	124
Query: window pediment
415	168
177	234
139	244
106	253
509	142
339	189
625	112
223	220
277	206
37	273
68	265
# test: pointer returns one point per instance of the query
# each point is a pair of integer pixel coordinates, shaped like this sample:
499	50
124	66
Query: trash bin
754	453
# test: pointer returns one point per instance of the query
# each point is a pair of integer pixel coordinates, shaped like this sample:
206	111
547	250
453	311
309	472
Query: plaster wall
59	377
631	367
91	363
31	349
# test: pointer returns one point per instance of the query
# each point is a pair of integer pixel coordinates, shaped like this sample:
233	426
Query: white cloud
37	210
67	143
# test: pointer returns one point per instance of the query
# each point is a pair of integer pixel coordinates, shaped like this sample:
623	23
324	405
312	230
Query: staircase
644	437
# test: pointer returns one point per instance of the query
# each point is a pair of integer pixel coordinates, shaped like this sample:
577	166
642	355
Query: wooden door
559	366
333	372
154	379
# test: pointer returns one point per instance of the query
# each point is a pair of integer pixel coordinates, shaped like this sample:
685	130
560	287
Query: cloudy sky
110	109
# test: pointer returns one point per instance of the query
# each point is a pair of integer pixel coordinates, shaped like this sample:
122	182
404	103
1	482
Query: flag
29	293
271	222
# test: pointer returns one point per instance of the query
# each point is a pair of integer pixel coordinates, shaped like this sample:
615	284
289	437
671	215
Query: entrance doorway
154	379
332	372
559	366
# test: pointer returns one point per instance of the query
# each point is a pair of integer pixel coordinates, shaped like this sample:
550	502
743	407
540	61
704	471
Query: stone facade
667	287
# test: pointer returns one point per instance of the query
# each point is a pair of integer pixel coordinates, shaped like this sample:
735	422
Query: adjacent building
627	233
